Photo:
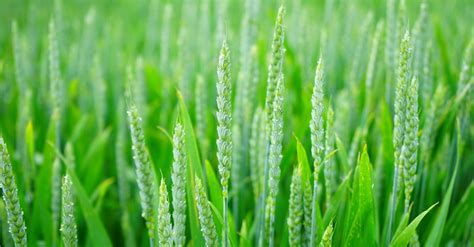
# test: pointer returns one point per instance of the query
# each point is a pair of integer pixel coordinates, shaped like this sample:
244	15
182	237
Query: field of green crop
236	123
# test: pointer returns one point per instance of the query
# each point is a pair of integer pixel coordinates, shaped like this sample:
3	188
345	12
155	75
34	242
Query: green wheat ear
208	227
15	219
410	146
178	177
276	63
224	125
165	230
274	160
399	122
68	222
317	137
143	166
326	240
295	226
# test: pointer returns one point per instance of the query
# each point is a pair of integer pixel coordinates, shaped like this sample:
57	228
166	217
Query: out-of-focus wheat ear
276	64
356	67
208	227
16	223
391	47
178	177
307	211
56	194
419	40
374	51
410	146
54	71
466	66
69	154
165	38
56	89
68	221
295	214
317	137
143	166
257	152
224	128
165	229
236	169
426	77
201	98
99	93
329	165
431	117
17	57
274	160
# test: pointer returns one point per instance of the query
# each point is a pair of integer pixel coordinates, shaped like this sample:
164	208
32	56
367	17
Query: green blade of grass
459	219
407	234
436	233
362	229
303	161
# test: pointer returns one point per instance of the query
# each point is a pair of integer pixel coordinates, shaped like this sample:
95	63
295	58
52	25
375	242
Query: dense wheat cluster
236	123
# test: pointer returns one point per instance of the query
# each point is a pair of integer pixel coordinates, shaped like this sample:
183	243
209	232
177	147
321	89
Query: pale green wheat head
16	223
68	221
165	229
178	177
295	216
316	123
276	63
224	117
206	220
143	168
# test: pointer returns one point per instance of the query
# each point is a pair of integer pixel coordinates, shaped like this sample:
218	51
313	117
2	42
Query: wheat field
236	123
